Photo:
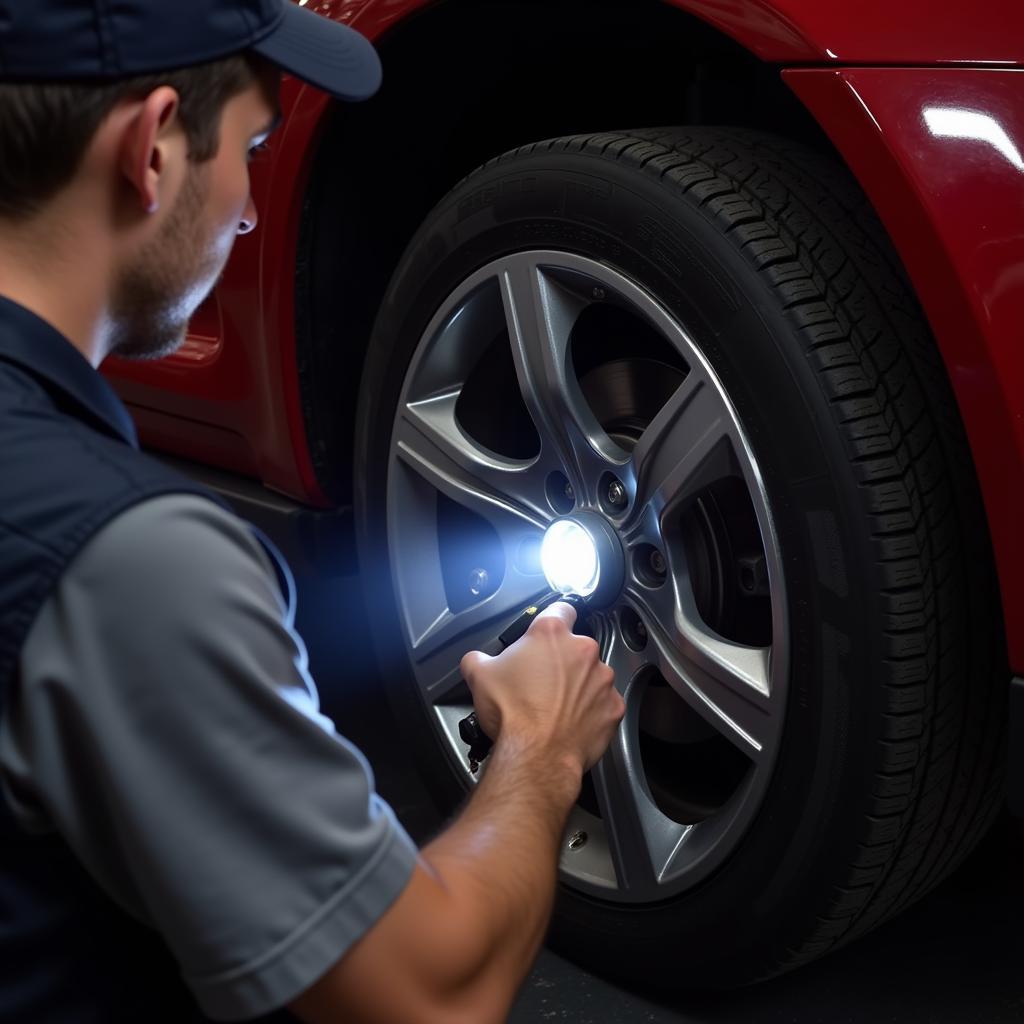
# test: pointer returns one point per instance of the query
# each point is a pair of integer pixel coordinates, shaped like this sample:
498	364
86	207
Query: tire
853	512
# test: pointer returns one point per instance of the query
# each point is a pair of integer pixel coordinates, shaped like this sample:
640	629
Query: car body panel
876	32
951	204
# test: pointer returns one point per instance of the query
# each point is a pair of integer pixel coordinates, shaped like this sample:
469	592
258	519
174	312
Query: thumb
558	610
471	663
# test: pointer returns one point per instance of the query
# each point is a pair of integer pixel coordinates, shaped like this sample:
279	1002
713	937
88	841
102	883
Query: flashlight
582	560
568	556
473	736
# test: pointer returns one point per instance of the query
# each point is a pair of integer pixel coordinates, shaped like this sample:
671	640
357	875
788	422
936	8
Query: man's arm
164	724
457	943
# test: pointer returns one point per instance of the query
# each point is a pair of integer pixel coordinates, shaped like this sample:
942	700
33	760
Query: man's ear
146	145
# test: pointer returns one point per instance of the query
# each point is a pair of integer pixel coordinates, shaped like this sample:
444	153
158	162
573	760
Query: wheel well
466	80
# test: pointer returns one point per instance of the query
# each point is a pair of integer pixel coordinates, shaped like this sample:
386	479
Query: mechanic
183	836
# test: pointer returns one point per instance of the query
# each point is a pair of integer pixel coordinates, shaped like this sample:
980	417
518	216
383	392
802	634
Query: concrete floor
957	957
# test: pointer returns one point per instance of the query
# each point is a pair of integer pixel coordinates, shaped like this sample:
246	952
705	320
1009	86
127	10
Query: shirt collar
30	342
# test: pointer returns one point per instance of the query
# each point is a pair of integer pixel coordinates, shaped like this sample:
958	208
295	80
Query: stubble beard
155	298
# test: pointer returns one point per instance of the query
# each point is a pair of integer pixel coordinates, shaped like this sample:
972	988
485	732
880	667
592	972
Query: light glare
954	123
568	556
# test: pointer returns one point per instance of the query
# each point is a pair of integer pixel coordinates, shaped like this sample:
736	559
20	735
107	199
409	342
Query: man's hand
549	691
458	941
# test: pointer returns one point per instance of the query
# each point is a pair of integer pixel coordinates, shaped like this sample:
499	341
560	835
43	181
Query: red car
742	283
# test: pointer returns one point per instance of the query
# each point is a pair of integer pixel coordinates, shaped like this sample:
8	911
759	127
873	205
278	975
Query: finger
559	610
471	662
620	707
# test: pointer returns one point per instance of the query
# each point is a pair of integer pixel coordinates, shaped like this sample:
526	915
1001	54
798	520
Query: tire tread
805	227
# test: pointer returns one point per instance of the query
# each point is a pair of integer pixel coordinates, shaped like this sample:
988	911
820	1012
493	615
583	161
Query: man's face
156	295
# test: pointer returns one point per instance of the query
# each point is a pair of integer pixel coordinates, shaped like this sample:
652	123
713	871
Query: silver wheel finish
632	851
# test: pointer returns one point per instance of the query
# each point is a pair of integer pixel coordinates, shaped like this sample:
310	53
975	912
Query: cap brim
325	53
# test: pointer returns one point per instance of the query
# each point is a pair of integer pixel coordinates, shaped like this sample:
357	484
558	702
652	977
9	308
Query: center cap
595	570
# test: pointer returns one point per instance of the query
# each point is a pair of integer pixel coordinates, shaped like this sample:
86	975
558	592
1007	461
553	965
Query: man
182	835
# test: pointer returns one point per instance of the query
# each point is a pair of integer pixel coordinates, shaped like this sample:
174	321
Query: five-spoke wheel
648	442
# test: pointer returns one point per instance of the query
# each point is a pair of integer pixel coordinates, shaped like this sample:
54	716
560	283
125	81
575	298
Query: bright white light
954	123
568	557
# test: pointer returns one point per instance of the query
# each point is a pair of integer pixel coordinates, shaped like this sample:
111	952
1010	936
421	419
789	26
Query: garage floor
957	957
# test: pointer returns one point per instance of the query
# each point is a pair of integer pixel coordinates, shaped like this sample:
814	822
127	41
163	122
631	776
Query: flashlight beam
568	556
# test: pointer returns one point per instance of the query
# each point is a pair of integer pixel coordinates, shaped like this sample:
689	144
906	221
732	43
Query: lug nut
616	494
657	562
576	840
559	492
478	580
633	630
753	575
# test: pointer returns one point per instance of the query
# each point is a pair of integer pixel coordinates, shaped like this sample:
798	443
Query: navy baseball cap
79	40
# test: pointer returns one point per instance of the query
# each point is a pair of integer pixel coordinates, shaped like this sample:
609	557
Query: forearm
455	946
498	864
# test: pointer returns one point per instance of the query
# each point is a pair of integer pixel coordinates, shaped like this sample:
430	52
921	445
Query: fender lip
809	32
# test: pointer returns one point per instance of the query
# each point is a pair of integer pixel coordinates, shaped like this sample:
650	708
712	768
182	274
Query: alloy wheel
547	384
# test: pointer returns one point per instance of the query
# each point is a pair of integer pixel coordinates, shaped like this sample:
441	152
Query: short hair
46	127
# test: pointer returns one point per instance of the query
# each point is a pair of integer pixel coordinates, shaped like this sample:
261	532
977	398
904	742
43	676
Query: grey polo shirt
164	723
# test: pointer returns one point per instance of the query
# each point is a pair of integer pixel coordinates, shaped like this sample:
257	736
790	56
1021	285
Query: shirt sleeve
165	725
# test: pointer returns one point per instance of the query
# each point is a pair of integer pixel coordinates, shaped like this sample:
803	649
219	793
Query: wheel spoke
727	683
437	652
504	491
540	315
641	839
686	446
625	663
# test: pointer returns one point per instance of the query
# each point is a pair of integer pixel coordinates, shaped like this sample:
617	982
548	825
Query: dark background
956	956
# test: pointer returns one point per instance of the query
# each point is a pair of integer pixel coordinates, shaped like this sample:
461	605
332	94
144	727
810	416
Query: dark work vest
69	463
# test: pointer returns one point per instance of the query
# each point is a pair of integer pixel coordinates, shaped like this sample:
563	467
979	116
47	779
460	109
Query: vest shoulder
64	479
46	447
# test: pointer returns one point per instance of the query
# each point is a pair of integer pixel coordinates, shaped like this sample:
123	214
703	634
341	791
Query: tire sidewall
773	887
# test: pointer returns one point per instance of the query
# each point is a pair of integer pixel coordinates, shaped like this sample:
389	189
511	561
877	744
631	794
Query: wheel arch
455	95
